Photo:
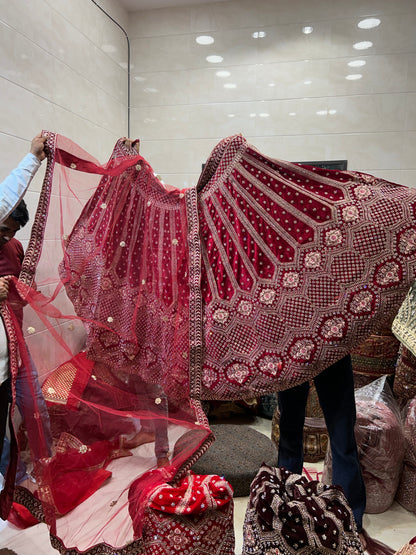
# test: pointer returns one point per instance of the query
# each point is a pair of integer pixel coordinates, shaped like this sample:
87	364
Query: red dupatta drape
105	277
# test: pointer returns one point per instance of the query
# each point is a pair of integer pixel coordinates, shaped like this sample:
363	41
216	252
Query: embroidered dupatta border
7	493
34	249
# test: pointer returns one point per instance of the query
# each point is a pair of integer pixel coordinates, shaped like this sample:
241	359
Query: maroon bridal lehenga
143	299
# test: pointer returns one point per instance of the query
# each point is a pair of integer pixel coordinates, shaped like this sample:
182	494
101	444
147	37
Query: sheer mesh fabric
106	321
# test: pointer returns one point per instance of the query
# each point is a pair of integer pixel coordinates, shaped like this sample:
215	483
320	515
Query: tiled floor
394	527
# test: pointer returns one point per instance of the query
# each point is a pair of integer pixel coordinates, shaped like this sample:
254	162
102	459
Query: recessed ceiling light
150	90
332	112
252	115
292	113
322	112
230	86
363	45
231	115
307	82
214	59
353	76
264	115
205	39
272	84
369	23
223	73
357	63
258	34
139	78
307	30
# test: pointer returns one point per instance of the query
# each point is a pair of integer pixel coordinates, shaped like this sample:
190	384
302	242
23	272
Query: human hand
131	143
4	288
37	147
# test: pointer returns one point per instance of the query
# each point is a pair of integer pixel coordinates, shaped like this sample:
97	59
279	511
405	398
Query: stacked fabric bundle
287	514
375	357
380	442
406	495
405	377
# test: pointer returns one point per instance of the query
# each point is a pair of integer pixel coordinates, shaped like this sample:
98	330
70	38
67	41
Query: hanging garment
298	265
143	299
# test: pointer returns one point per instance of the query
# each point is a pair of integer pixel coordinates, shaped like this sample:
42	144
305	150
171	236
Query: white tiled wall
291	97
63	67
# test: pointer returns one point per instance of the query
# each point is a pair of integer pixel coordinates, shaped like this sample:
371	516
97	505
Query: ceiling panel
136	5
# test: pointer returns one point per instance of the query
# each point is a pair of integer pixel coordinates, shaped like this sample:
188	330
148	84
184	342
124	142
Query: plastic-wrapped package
406	495
381	444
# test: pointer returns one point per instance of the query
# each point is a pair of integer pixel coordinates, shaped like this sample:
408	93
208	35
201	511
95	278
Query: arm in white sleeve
15	185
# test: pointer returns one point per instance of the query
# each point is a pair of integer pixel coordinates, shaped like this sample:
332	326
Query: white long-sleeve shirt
15	185
12	190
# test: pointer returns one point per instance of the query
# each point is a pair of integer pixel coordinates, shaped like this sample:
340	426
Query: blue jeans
28	397
335	388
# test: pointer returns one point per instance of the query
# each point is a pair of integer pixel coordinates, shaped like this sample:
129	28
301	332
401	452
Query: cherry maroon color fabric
298	265
143	299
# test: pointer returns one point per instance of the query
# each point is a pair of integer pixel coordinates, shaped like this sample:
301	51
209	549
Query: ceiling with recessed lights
136	5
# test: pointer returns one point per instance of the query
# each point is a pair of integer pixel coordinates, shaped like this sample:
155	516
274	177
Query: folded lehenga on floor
144	299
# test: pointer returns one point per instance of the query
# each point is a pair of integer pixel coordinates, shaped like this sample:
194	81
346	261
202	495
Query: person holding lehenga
260	278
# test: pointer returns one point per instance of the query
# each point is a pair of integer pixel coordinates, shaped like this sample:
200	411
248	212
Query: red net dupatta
106	281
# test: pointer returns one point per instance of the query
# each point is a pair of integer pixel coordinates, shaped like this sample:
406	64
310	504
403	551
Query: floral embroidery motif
388	274
249	538
407	242
209	377
333	328
267	296
220	315
313	259
177	539
245	308
302	349
333	237
238	373
270	365
362	302
350	213
291	279
362	191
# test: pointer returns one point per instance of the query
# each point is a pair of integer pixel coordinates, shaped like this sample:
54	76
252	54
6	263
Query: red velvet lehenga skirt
144	299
